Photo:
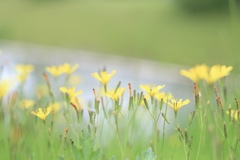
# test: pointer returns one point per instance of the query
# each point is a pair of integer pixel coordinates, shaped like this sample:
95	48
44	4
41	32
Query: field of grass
142	123
143	29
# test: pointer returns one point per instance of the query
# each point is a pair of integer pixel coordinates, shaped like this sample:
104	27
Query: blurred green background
182	32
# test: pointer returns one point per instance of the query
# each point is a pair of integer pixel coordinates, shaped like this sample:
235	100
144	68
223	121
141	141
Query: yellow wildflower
210	75
196	73
4	88
55	70
42	114
26	103
66	68
234	114
104	77
176	104
162	96
217	72
115	94
152	90
24	71
55	106
70	92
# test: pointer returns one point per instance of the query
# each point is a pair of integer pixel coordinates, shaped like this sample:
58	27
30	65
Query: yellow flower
55	106
176	104
162	96
70	92
24	68
196	73
24	71
210	75
217	72
68	69
26	103
115	94
55	70
103	77
4	88
234	114
42	114
152	90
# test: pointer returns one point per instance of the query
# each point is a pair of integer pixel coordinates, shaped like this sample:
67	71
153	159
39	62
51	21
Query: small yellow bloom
55	106
26	103
196	73
152	90
162	96
55	70
115	94
234	114
66	68
217	72
4	88
176	104
42	114
70	92
210	75
24	71
103	77
24	68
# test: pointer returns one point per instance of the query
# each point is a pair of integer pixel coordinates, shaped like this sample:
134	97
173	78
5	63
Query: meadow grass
122	123
144	29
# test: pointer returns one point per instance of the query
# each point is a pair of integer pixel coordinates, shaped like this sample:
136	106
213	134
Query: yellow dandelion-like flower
217	72
4	88
24	71
196	73
68	69
115	94
177	104
152	90
70	92
55	70
42	114
162	96
103	76
26	103
55	106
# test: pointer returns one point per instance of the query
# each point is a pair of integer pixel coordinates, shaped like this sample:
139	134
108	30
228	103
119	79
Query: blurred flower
196	73
4	88
162	96
70	92
55	70
66	68
115	94
152	90
26	103
55	106
24	71
176	104
210	75
103	77
234	114
42	114
217	72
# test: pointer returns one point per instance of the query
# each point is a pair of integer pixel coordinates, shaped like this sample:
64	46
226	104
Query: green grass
143	29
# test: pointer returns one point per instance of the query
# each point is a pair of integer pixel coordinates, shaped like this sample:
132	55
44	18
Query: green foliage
147	155
87	149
